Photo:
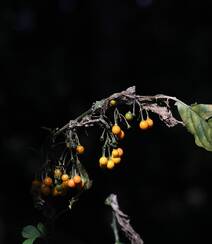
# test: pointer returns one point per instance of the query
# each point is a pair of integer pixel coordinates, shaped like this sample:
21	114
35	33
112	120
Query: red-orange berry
71	183
48	181
77	179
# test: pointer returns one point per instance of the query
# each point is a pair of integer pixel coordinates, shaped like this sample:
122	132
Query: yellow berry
129	116
113	102
57	173
144	125
116	160
110	164
103	161
116	129
115	153
150	122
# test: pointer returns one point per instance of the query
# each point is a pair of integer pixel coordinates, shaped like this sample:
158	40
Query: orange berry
57	173
103	161
80	149
77	179
116	129
45	190
121	152
48	181
121	135
144	125
115	153
116	160
65	184
65	177
150	122
71	183
110	164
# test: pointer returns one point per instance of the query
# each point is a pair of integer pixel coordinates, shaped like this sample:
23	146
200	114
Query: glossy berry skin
121	152
103	161
129	116
48	181
115	153
71	183
121	135
144	125
116	160
80	149
113	102
116	129
65	177
150	122
77	179
110	164
57	173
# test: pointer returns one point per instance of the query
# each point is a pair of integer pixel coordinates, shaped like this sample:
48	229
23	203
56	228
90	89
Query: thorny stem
128	97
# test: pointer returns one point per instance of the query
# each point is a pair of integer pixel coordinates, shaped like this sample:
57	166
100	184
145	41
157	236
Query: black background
57	58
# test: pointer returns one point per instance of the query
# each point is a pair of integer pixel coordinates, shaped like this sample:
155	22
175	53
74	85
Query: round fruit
103	161
115	153
71	183
48	181
65	177
113	102
57	173
116	160
129	116
150	122
77	179
116	129
65	184
45	190
144	125
121	152
80	149
110	164
121	135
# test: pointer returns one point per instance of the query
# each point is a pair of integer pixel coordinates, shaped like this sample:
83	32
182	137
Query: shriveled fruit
48	181
144	125
80	149
116	129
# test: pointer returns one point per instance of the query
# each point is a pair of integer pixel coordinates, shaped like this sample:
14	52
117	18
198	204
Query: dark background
57	57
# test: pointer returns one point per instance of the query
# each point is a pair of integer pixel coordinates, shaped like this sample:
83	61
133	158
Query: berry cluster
57	185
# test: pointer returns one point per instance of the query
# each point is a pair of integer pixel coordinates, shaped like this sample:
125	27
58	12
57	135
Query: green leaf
30	231
195	119
29	241
204	110
41	228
